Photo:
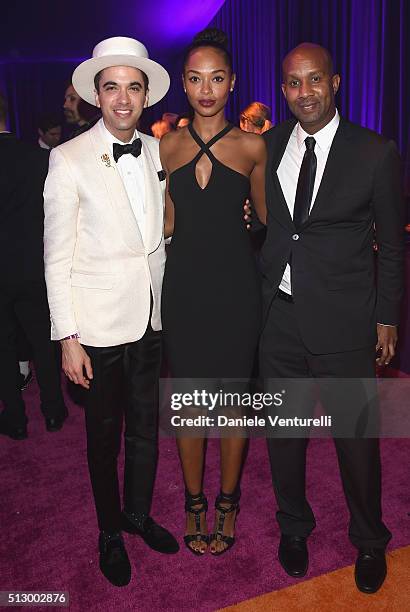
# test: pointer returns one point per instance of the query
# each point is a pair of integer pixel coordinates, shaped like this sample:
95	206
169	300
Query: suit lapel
335	161
118	196
153	200
277	155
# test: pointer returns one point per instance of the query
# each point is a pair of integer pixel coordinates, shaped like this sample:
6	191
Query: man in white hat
104	257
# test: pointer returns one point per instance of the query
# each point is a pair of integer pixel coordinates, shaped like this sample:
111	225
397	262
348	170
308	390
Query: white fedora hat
120	51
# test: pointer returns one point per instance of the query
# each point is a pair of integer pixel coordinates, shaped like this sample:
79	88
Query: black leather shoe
293	555
370	569
16	433
56	423
154	535
114	562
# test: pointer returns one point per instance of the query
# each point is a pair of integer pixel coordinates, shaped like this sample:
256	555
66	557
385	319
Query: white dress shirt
131	170
43	145
289	167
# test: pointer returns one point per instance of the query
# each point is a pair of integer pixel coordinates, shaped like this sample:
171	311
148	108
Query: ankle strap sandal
233	500
202	503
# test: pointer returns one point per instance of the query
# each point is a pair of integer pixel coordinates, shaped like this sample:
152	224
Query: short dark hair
210	37
3	107
47	121
97	80
307	45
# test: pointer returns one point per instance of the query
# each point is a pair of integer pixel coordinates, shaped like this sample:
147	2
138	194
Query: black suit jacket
23	169
338	291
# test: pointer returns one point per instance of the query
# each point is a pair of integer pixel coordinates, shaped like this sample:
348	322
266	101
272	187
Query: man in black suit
329	185
23	296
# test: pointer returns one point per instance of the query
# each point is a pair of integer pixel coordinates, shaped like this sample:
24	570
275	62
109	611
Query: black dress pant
284	356
24	350
25	303
125	387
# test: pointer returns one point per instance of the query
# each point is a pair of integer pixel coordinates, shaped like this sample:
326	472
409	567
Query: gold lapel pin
106	159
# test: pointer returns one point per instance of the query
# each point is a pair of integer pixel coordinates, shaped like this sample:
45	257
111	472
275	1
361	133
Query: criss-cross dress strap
205	146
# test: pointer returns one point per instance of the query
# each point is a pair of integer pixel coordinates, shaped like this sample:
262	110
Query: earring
231	88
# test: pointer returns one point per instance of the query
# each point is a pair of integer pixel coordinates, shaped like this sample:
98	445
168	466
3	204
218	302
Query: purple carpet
49	534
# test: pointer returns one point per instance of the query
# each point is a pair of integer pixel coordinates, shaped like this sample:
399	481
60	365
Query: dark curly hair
210	37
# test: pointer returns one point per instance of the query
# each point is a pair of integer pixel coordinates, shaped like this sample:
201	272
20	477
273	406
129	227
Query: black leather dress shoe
370	569
56	423
293	555
154	535
16	433
114	562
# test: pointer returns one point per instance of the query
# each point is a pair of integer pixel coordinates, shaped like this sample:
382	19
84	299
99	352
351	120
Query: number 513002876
34	598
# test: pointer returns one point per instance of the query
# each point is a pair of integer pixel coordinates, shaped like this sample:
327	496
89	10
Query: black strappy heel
190	502
233	500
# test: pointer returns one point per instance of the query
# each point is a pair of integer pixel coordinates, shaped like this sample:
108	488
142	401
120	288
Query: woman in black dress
211	305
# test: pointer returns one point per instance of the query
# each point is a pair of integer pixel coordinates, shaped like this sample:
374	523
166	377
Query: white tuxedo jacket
99	273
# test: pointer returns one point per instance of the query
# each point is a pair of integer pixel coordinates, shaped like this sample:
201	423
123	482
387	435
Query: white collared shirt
131	170
289	167
43	145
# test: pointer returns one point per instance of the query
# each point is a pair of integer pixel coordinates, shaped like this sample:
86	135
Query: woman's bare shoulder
254	144
171	142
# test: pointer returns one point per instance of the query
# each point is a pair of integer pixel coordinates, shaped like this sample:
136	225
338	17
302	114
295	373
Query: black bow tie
134	148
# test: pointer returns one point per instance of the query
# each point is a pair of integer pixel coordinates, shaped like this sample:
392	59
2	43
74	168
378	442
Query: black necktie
134	148
306	181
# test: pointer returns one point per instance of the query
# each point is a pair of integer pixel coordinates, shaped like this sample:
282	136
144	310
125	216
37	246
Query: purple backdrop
41	43
370	41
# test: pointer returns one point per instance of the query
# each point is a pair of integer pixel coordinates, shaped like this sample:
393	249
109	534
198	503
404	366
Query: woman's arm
169	214
169	205
257	178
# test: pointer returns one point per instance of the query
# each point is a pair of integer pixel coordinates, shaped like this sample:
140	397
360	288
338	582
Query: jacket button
295	237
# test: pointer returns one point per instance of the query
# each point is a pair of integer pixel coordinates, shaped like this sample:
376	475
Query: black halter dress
211	304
